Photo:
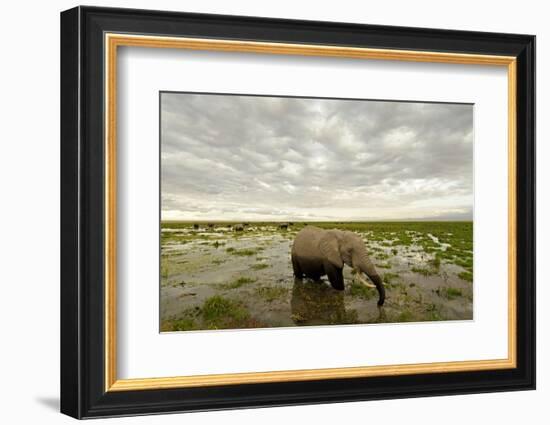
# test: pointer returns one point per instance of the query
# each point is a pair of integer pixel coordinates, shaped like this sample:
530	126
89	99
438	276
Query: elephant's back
307	240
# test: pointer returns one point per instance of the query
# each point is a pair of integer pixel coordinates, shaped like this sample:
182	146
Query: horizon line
316	221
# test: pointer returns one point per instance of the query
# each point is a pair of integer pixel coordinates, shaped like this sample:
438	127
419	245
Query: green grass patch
467	262
185	324
390	277
218	261
238	283
449	292
423	271
453	293
245	252
217	312
433	312
222	313
467	276
259	266
436	262
405	316
271	293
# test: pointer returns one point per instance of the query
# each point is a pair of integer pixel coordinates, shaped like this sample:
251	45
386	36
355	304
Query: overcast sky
226	157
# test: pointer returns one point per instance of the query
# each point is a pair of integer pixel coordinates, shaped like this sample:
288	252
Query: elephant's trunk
380	287
365	265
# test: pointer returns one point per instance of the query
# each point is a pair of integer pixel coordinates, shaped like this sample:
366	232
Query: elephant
239	227
195	226
283	226
317	252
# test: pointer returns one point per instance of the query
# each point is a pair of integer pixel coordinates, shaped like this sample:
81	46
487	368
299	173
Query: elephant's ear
329	248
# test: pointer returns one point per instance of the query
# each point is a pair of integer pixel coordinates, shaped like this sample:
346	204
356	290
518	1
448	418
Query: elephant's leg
296	268
335	275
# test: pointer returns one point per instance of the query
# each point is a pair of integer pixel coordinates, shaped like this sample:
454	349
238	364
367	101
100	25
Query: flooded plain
235	276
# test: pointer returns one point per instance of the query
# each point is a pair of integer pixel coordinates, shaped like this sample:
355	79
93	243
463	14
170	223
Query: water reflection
381	315
316	303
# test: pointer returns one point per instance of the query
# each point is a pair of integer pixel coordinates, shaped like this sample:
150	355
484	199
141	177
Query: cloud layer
228	157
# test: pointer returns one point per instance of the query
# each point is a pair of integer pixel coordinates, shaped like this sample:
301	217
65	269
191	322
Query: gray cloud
231	157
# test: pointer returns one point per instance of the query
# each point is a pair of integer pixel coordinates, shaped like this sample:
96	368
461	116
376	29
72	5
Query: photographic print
245	214
292	211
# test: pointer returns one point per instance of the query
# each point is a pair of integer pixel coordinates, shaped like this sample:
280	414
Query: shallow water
198	266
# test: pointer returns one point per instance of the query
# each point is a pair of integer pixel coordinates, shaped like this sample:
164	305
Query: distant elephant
317	252
195	226
283	226
239	227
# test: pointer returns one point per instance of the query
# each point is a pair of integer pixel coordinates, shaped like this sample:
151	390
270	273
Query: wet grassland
214	276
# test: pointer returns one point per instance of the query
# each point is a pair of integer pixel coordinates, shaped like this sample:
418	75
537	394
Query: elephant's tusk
364	281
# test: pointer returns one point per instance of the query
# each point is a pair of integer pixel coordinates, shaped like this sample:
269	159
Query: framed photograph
261	212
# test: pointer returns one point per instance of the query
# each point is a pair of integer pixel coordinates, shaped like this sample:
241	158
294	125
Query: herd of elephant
239	227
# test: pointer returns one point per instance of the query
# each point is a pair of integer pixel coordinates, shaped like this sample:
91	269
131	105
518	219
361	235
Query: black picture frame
83	392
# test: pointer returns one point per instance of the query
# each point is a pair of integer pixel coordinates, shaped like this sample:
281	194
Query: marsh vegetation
216	277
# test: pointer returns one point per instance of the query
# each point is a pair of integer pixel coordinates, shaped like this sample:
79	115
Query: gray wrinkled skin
317	252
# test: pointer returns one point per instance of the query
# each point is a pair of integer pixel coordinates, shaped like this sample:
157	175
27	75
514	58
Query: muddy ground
215	277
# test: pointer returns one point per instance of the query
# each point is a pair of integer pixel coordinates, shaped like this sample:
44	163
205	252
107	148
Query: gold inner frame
113	41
